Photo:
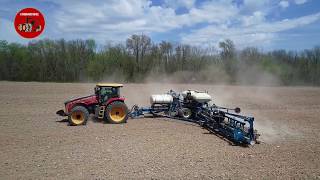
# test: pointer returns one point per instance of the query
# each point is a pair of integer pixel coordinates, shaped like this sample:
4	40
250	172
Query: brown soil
35	144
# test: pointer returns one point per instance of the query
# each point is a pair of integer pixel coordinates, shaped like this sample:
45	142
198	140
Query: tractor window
108	92
105	91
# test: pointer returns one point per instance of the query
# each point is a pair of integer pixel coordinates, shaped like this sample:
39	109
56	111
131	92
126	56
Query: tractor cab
104	92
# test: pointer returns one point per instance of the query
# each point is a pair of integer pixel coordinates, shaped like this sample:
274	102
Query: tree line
140	59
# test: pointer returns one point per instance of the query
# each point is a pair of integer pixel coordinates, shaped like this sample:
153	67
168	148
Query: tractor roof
110	85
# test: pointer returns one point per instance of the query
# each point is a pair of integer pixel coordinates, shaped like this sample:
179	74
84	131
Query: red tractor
106	104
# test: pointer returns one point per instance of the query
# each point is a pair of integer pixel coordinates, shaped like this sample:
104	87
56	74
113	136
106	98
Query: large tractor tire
78	115
117	112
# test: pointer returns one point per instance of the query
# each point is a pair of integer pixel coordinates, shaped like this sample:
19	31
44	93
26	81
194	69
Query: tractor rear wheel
78	115
117	112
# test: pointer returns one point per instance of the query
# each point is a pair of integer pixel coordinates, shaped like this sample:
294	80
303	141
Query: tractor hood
90	98
85	101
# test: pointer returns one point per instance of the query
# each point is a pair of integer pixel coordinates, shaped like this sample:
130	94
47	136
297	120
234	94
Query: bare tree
139	45
166	51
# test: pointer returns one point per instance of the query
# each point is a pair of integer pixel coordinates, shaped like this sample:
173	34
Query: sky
266	24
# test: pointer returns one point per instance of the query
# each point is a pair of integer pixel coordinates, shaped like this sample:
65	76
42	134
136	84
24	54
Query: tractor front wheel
78	116
117	112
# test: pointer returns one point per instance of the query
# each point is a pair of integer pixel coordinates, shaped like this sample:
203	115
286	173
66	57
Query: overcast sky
267	24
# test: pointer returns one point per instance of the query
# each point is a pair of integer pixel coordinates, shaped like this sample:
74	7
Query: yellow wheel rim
117	114
77	117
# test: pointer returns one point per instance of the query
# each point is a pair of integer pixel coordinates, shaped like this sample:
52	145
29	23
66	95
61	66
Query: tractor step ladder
101	112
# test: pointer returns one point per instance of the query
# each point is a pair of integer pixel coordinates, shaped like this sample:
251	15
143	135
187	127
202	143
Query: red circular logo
29	23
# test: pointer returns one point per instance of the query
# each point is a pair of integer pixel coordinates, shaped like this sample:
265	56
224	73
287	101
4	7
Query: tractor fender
69	106
115	99
90	107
